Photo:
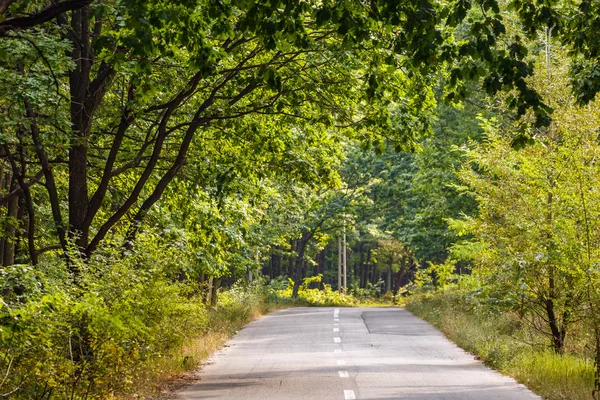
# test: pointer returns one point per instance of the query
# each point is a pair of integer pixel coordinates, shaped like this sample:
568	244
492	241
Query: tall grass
236	307
504	343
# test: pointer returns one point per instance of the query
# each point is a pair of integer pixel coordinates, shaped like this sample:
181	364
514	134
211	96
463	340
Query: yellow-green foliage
327	297
317	297
92	343
501	341
115	334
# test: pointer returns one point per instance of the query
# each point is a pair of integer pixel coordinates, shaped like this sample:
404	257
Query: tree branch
16	24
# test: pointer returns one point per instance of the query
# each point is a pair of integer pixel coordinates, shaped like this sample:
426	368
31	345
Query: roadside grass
235	308
502	342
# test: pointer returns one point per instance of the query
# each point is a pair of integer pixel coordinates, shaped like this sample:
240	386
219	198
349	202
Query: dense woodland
162	159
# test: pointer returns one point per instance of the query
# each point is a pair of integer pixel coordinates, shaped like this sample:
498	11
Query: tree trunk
398	276
4	179
596	392
299	270
81	121
368	271
361	266
558	333
291	259
320	268
388	279
12	214
214	290
276	264
376	275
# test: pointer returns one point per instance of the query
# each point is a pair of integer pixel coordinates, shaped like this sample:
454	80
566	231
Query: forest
170	169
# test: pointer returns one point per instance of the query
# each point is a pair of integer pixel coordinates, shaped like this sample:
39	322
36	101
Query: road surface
347	353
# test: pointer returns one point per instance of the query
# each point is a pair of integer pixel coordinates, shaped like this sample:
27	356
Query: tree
142	91
533	225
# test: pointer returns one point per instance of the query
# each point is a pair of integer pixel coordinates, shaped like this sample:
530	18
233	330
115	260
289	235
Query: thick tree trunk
81	119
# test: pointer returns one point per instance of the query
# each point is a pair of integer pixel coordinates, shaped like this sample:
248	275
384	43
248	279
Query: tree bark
596	392
31	21
368	269
11	212
20	172
81	119
214	293
50	183
388	278
320	267
558	333
299	270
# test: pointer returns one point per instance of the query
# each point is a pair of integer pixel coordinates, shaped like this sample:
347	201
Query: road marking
336	329
349	395
343	374
336	320
341	362
337	351
337	340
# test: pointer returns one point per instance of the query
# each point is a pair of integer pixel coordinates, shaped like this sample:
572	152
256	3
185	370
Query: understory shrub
120	327
326	297
93	339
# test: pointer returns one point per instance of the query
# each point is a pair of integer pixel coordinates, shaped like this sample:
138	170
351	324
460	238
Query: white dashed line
336	320
343	374
337	340
336	329
349	395
341	362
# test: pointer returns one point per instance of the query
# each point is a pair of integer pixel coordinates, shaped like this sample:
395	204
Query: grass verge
235	309
502	342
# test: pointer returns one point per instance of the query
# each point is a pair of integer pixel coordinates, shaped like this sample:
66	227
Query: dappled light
171	171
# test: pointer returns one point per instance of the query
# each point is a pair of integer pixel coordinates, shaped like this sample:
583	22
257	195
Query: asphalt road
347	353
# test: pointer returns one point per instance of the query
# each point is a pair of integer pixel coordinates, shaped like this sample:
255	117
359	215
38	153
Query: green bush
92	339
315	297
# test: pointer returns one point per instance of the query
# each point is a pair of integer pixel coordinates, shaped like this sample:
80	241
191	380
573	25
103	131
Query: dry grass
180	368
498	339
